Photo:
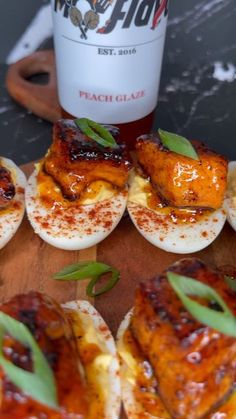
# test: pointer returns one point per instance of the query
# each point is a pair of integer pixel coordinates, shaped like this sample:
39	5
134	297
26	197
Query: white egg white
11	217
128	375
230	200
129	370
76	227
106	368
176	237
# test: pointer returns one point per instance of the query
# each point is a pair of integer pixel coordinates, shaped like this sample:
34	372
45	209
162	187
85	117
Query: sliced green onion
96	132
115	276
178	144
94	270
81	270
39	384
231	282
224	321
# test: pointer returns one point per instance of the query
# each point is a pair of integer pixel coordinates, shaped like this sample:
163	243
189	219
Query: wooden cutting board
28	263
42	100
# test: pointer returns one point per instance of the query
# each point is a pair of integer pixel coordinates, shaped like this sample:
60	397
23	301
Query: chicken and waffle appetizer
177	192
12	207
56	362
178	345
78	192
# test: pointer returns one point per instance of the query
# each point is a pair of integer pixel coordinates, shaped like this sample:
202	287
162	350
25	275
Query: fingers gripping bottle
109	57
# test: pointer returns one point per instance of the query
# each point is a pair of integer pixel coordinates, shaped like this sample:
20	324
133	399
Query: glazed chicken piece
195	366
181	181
50	328
75	161
7	188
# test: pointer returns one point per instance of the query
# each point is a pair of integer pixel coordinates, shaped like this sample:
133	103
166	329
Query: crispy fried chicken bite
7	188
181	181
49	326
75	161
195	366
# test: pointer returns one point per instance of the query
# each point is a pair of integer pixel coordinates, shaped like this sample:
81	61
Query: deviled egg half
78	193
12	203
177	192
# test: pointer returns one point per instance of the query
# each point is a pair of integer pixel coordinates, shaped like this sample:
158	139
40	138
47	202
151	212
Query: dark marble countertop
198	85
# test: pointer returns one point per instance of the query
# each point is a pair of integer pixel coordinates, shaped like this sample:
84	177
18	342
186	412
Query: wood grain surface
28	263
42	100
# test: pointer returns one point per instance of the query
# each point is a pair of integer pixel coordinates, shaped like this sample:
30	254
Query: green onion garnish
39	384
96	132
230	281
94	270
224	321
178	144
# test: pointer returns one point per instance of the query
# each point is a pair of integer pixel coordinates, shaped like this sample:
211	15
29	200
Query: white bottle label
109	56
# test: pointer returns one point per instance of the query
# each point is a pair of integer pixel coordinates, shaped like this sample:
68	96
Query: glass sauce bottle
108	60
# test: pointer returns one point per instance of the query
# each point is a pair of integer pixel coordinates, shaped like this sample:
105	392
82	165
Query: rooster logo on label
140	13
